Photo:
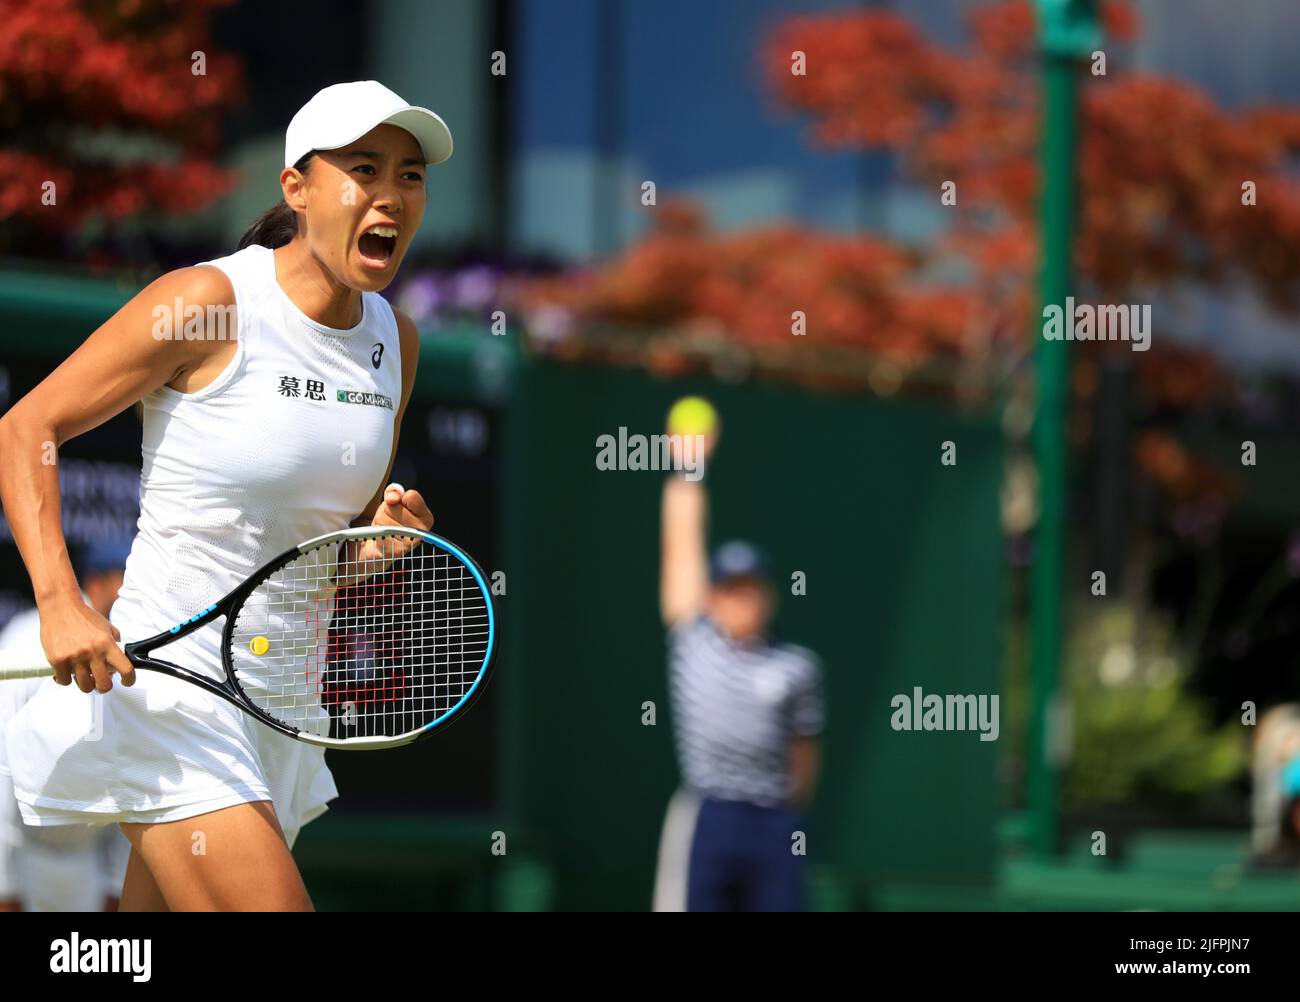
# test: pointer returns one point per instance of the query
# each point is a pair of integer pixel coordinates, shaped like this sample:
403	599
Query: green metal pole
1069	32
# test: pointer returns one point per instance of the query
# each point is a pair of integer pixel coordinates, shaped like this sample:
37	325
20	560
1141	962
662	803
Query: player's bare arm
118	364
409	339
391	504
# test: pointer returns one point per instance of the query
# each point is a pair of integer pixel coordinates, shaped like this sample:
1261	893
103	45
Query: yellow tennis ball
692	416
259	645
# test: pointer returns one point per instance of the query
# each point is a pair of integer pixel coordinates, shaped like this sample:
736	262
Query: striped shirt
736	708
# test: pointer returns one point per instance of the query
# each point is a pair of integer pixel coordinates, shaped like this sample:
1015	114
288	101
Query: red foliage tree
1161	167
104	100
1161	174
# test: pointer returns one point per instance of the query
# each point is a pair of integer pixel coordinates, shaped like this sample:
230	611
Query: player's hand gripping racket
366	638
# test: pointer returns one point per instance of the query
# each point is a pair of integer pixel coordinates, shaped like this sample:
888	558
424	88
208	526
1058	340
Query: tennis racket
367	638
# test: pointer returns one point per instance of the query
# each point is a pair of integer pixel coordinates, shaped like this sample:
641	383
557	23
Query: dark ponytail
279	224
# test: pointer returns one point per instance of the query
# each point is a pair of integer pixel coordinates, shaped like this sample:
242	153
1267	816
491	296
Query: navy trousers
741	859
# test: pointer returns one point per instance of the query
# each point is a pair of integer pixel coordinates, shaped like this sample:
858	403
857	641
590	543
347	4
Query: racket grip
29	663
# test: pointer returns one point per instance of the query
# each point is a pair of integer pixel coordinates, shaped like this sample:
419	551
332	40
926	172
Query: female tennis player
250	446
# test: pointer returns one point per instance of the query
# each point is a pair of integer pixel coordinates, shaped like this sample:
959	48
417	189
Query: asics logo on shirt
377	355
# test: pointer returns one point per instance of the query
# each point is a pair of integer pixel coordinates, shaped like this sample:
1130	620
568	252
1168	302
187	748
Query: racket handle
29	663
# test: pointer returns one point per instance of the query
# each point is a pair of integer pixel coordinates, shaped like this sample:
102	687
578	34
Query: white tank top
290	441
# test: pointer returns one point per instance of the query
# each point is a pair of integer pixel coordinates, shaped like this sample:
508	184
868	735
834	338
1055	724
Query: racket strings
365	638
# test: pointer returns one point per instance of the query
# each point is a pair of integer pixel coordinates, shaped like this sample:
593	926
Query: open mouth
377	246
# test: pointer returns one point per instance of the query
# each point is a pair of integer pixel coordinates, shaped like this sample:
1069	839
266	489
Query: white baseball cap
345	112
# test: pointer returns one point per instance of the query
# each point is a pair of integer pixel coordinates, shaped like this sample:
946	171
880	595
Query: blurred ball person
73	868
747	715
1290	819
1276	744
1284	851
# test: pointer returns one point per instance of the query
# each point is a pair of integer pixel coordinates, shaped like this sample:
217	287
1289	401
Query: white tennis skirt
159	751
